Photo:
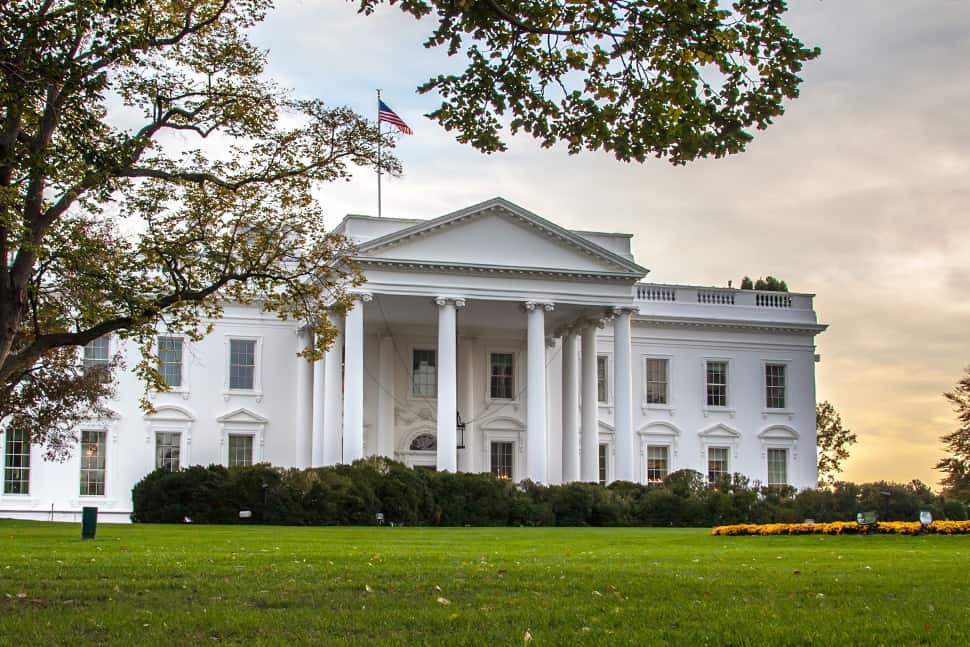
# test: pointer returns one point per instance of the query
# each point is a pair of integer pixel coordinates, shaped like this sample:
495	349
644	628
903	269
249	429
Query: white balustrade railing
656	293
717	297
686	294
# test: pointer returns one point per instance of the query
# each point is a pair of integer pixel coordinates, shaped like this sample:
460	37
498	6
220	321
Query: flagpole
378	153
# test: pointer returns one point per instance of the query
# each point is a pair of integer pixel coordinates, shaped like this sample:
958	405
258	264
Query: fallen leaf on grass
527	637
444	601
368	588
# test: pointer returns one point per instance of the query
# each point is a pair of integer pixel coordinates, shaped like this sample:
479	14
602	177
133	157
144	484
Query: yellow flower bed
844	528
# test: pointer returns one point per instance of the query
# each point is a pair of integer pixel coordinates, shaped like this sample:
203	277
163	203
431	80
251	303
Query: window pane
96	358
657	463
717	384
16	473
92	463
777	467
775	386
242	363
602	463
424	374
501	376
240	450
502	459
602	390
167	450
717	463
656	381
170	360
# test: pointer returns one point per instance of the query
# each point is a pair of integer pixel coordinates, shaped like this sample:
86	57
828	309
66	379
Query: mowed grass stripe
270	585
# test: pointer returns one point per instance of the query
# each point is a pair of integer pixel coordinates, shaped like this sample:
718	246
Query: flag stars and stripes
384	113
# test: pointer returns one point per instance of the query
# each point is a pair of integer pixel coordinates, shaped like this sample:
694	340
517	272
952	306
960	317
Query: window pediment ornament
719	434
659	432
424	442
779	436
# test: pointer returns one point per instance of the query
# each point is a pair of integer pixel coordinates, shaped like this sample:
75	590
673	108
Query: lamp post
459	432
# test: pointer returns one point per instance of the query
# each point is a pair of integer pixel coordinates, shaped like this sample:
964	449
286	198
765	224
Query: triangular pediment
242	416
721	432
498	233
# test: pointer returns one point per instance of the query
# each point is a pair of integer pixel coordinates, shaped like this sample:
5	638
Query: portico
435	333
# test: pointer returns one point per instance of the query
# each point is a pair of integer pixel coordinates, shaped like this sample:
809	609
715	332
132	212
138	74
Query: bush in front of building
377	488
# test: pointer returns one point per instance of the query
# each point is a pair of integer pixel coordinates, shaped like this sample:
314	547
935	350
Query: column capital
532	305
624	310
363	297
458	302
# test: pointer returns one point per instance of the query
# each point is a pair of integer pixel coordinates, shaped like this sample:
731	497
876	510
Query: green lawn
185	585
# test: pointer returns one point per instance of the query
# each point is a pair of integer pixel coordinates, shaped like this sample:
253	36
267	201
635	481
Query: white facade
492	313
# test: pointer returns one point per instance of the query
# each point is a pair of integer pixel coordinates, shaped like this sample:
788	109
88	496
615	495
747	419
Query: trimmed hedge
355	494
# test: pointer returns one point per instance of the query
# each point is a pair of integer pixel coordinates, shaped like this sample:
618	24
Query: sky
859	193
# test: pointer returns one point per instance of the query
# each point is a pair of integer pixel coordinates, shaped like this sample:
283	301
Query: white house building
561	363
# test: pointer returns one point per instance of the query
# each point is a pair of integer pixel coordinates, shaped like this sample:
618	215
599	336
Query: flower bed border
844	528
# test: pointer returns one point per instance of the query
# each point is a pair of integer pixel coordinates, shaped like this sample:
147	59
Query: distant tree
956	464
746	283
833	442
771	284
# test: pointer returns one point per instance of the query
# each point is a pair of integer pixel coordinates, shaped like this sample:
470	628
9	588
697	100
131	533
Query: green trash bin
89	522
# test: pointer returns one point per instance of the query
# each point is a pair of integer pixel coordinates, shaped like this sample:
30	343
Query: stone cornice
728	324
474	268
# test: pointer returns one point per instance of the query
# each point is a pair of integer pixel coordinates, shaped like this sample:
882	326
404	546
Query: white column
590	433
623	395
535	459
354	381
447	382
466	457
570	407
304	402
385	399
329	414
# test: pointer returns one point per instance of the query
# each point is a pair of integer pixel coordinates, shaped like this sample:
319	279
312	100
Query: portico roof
497	235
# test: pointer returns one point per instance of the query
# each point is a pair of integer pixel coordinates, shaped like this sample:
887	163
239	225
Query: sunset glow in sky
858	194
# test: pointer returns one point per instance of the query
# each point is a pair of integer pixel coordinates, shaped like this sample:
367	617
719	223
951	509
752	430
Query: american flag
384	113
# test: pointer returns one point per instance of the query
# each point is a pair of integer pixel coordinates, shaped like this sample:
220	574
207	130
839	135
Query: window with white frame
717	464
501	459
96	358
501	370
775	386
716	382
602	379
424	375
240	450
604	453
658	463
658	380
93	449
777	466
170	360
168	449
16	462
242	364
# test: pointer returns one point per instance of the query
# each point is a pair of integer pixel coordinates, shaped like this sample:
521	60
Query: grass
185	585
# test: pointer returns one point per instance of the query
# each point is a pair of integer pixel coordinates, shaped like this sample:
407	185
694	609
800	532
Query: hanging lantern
460	432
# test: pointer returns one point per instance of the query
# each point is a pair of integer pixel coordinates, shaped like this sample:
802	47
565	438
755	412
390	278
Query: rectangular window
658	463
240	450
657	381
168	447
717	464
602	381
502	459
16	464
775	386
424	374
242	364
92	462
717	384
777	467
170	360
604	448
500	383
96	358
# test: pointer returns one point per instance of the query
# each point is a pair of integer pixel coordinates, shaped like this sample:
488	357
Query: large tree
832	442
118	216
956	464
